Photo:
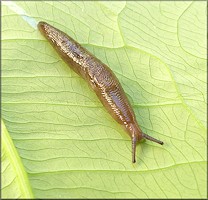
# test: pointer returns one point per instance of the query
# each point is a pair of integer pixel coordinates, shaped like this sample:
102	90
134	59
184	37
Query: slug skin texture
100	78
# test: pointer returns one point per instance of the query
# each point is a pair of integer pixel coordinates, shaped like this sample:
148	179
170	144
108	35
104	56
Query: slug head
137	135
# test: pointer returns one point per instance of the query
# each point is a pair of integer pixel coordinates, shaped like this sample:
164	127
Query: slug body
101	79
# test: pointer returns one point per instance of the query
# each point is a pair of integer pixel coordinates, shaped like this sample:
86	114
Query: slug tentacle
100	78
152	139
134	142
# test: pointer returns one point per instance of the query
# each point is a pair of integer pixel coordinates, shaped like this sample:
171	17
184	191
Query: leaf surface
69	145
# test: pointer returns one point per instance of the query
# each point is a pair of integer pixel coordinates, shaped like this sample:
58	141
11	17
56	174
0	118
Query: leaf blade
15	183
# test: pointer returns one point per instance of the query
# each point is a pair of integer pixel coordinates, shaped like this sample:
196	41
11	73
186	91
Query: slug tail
152	139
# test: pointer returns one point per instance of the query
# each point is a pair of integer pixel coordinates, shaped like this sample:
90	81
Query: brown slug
101	79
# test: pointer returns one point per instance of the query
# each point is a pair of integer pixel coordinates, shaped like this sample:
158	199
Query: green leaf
15	182
69	145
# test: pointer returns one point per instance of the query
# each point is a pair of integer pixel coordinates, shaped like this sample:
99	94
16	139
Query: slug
100	78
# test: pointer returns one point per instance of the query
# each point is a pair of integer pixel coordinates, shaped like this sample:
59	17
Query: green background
61	142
